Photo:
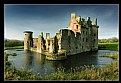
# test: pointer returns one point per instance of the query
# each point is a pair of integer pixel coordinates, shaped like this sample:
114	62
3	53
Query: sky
49	18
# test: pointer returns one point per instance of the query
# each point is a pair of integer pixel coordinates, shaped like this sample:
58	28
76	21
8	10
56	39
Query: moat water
38	63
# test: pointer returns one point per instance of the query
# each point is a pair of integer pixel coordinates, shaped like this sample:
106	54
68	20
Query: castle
80	36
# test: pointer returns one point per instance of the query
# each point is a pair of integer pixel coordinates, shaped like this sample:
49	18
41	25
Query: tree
109	40
12	43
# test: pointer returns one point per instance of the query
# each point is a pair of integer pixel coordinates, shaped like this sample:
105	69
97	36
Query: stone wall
94	37
71	42
77	42
40	44
51	46
35	41
47	40
64	39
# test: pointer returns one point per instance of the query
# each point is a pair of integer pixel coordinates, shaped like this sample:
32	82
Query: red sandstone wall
73	27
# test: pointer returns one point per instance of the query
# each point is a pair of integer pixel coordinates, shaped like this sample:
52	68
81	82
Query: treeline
12	43
109	40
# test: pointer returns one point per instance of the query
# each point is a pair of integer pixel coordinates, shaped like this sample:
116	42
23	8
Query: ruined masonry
80	36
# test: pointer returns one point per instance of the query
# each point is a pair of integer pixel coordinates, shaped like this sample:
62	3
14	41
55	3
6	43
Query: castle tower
28	40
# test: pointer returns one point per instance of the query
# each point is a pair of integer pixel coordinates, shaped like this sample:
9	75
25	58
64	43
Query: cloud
50	19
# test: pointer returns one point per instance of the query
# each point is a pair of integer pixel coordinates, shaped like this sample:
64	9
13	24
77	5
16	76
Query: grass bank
14	74
108	46
15	47
110	72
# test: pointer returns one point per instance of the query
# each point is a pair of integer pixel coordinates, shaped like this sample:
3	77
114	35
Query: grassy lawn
15	47
108	46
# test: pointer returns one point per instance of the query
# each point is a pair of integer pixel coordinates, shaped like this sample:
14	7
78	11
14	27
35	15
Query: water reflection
28	57
77	60
39	64
40	58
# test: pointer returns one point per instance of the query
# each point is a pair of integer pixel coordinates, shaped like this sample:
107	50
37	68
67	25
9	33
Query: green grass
14	74
12	54
15	47
108	46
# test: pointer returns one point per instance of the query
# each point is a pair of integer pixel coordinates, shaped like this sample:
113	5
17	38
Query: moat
39	64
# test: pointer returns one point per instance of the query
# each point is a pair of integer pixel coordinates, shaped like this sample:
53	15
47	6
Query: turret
78	18
89	22
88	18
73	15
95	21
47	35
41	34
28	40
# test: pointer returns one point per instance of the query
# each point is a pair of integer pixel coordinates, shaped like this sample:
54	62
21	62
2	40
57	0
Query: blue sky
50	18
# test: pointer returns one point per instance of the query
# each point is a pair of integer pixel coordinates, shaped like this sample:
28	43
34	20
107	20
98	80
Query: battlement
27	32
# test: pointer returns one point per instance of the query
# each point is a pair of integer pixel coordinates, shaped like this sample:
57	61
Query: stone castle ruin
80	36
